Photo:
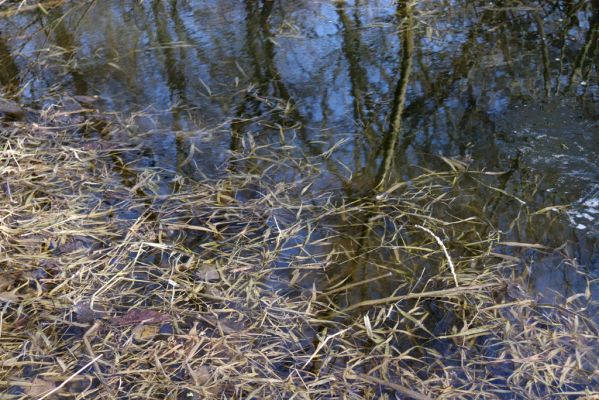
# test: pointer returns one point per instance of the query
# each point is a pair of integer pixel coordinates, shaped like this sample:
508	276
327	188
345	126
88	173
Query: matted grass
246	287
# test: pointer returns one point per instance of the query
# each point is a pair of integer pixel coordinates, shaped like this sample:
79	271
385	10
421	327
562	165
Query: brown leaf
86	99
7	281
9	297
9	107
229	326
136	316
39	387
208	273
21	321
200	375
86	314
144	333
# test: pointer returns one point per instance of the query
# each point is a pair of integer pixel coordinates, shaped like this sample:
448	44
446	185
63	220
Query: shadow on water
383	92
9	72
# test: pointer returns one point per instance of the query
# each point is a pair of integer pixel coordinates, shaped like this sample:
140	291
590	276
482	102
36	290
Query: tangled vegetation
121	279
244	287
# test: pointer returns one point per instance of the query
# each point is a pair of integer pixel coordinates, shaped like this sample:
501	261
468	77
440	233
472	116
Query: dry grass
245	287
9	8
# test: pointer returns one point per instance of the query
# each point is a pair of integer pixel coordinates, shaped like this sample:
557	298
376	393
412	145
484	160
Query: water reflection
9	71
486	82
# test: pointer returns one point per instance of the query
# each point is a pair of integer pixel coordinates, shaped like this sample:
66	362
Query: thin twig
440	242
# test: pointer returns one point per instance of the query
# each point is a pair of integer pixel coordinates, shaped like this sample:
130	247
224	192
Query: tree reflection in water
392	88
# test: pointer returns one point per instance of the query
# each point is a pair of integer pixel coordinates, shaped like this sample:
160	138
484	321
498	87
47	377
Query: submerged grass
120	280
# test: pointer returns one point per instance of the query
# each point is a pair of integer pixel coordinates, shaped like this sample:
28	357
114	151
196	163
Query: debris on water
228	242
10	108
145	332
208	273
39	387
516	291
201	375
85	313
9	297
210	289
136	316
87	100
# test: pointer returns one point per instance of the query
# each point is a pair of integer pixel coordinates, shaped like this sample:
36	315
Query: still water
498	86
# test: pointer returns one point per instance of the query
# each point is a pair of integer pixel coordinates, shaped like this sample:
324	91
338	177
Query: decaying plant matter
120	280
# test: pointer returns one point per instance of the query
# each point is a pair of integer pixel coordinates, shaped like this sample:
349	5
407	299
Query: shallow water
499	87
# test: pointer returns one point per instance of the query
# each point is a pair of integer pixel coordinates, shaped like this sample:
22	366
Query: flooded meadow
299	199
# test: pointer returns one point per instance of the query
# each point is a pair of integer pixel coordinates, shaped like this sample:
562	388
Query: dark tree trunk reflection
392	137
9	72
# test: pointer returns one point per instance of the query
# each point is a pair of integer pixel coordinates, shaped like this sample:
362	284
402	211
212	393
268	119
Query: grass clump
121	280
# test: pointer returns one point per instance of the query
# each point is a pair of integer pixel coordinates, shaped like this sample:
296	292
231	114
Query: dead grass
9	8
245	287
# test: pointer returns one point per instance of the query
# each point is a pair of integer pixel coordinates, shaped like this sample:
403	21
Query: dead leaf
144	333
86	314
200	375
9	297
229	326
21	321
39	387
10	107
209	273
7	281
86	99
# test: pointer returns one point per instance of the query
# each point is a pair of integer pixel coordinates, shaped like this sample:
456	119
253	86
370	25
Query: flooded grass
263	252
239	287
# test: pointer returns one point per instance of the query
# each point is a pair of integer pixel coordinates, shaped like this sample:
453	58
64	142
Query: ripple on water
584	215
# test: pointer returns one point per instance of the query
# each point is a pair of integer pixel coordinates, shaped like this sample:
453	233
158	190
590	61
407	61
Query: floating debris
11	108
188	288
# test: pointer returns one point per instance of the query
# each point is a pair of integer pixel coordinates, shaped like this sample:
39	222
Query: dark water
500	85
